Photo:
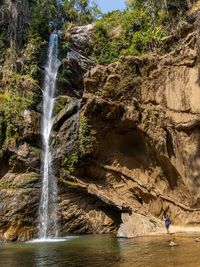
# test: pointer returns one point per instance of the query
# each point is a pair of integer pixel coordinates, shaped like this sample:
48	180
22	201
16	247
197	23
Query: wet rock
25	158
68	111
61	102
19	199
77	59
31	126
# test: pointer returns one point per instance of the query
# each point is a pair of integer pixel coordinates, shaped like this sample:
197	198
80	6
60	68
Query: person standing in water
167	222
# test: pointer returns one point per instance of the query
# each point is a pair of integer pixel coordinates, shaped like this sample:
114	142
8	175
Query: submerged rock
172	244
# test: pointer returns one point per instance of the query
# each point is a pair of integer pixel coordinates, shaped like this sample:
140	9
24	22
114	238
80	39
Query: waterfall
48	202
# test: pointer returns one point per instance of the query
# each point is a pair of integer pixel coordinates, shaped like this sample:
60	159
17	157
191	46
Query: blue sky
109	5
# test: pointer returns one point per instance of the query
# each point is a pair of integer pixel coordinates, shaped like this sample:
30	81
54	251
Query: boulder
31	125
80	36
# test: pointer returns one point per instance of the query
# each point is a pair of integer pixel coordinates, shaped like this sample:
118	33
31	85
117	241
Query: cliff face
144	118
142	156
148	138
14	21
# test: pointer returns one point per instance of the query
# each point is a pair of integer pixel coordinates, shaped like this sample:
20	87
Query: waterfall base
52	240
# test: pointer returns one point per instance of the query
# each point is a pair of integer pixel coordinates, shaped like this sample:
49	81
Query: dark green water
103	251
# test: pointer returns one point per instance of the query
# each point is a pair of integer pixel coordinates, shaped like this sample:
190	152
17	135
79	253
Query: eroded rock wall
143	116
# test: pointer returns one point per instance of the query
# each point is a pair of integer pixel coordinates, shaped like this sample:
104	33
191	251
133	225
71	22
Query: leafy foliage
35	53
79	11
11	106
43	11
17	94
106	44
70	183
143	41
143	27
85	144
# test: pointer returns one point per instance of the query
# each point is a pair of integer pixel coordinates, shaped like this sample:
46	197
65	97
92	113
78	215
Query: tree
80	11
159	4
43	11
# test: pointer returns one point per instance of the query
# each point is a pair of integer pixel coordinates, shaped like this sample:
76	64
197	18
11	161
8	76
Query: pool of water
103	251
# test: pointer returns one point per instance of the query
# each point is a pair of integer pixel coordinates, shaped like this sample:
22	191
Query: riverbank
183	230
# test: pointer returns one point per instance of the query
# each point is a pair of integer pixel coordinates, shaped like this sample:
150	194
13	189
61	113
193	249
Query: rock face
15	17
77	60
20	183
19	205
80	36
143	116
148	139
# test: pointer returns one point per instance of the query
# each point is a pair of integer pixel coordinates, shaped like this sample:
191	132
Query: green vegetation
151	116
70	183
20	73
85	144
11	106
51	14
21	182
61	102
79	12
19	92
64	73
43	11
143	27
85	140
35	54
71	161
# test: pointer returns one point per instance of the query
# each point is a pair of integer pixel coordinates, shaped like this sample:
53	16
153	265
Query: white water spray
48	203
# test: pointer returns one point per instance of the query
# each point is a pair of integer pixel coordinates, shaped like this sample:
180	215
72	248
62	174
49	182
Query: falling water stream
48	203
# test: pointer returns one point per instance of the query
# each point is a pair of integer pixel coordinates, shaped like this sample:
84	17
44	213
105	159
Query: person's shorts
167	223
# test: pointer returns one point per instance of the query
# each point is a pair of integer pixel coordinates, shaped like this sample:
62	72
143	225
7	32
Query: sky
109	5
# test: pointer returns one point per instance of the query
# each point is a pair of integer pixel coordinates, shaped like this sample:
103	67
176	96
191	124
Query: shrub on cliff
17	95
143	27
11	106
85	144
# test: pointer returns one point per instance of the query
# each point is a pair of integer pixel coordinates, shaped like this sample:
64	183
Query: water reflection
156	252
103	251
45	256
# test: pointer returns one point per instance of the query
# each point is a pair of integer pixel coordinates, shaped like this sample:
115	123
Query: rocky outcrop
19	182
78	61
144	116
80	36
15	18
146	124
19	198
